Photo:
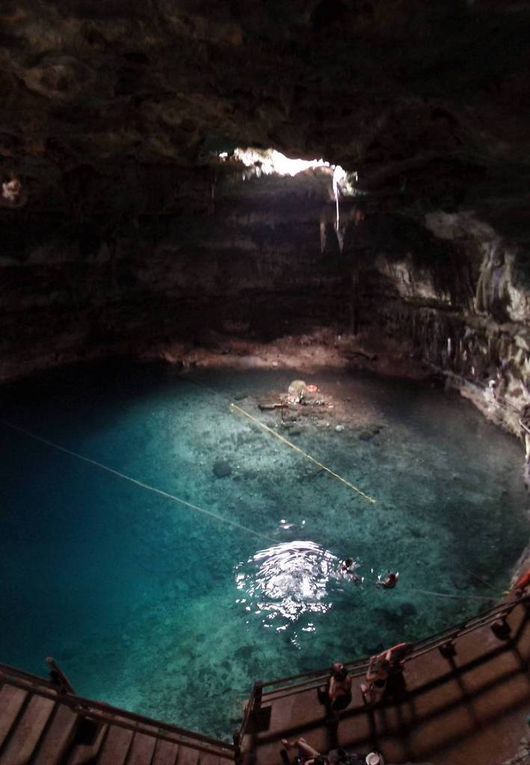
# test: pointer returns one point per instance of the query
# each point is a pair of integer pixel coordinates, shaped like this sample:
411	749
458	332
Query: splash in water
286	581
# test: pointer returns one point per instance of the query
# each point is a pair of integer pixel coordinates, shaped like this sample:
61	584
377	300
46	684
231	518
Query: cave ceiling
116	106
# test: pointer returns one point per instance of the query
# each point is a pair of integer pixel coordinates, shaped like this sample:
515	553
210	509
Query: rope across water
135	481
210	513
456	595
301	451
281	438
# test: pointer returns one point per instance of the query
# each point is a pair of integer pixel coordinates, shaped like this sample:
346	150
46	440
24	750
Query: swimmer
348	569
389	582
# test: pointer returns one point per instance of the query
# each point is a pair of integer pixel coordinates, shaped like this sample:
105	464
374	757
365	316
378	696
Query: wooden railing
105	713
101	712
443	641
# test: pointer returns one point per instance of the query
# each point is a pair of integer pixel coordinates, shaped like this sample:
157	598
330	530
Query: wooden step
11	701
142	749
215	759
27	732
82	754
281	712
166	753
209	759
304	707
32	684
188	756
57	737
116	746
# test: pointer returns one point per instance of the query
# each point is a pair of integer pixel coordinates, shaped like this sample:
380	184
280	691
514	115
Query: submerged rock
366	435
222	469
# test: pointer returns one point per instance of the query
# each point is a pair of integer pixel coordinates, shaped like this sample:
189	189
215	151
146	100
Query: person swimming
389	582
348	568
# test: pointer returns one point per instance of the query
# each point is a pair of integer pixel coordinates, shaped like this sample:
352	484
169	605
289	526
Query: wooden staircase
41	726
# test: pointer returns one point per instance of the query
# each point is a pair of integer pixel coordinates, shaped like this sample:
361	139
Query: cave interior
142	214
130	224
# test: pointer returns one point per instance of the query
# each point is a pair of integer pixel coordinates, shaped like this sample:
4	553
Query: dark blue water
166	610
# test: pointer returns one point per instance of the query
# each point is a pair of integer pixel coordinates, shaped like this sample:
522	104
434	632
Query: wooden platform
465	709
39	726
462	707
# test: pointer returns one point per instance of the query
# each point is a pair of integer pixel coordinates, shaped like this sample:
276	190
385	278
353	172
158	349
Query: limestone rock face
458	302
248	263
425	100
122	228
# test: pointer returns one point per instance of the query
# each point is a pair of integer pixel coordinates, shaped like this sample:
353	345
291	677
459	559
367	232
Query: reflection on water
287	581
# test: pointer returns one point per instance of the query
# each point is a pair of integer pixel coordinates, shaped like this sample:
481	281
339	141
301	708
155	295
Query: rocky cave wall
126	235
218	253
233	257
450	292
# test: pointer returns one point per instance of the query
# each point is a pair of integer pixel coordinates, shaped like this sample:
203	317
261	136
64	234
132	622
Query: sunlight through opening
272	162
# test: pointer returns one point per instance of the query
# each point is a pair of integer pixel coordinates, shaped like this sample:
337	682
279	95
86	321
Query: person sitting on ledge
521	584
373	690
337	693
382	668
389	582
306	753
396	686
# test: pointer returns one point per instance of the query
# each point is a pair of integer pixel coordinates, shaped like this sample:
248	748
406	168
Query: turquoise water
171	612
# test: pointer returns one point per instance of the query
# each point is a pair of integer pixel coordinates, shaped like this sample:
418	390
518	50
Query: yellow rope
135	481
301	451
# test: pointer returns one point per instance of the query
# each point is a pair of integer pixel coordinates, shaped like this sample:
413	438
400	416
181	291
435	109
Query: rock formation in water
123	229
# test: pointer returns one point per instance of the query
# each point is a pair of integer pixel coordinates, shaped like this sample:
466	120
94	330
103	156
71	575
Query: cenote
171	611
